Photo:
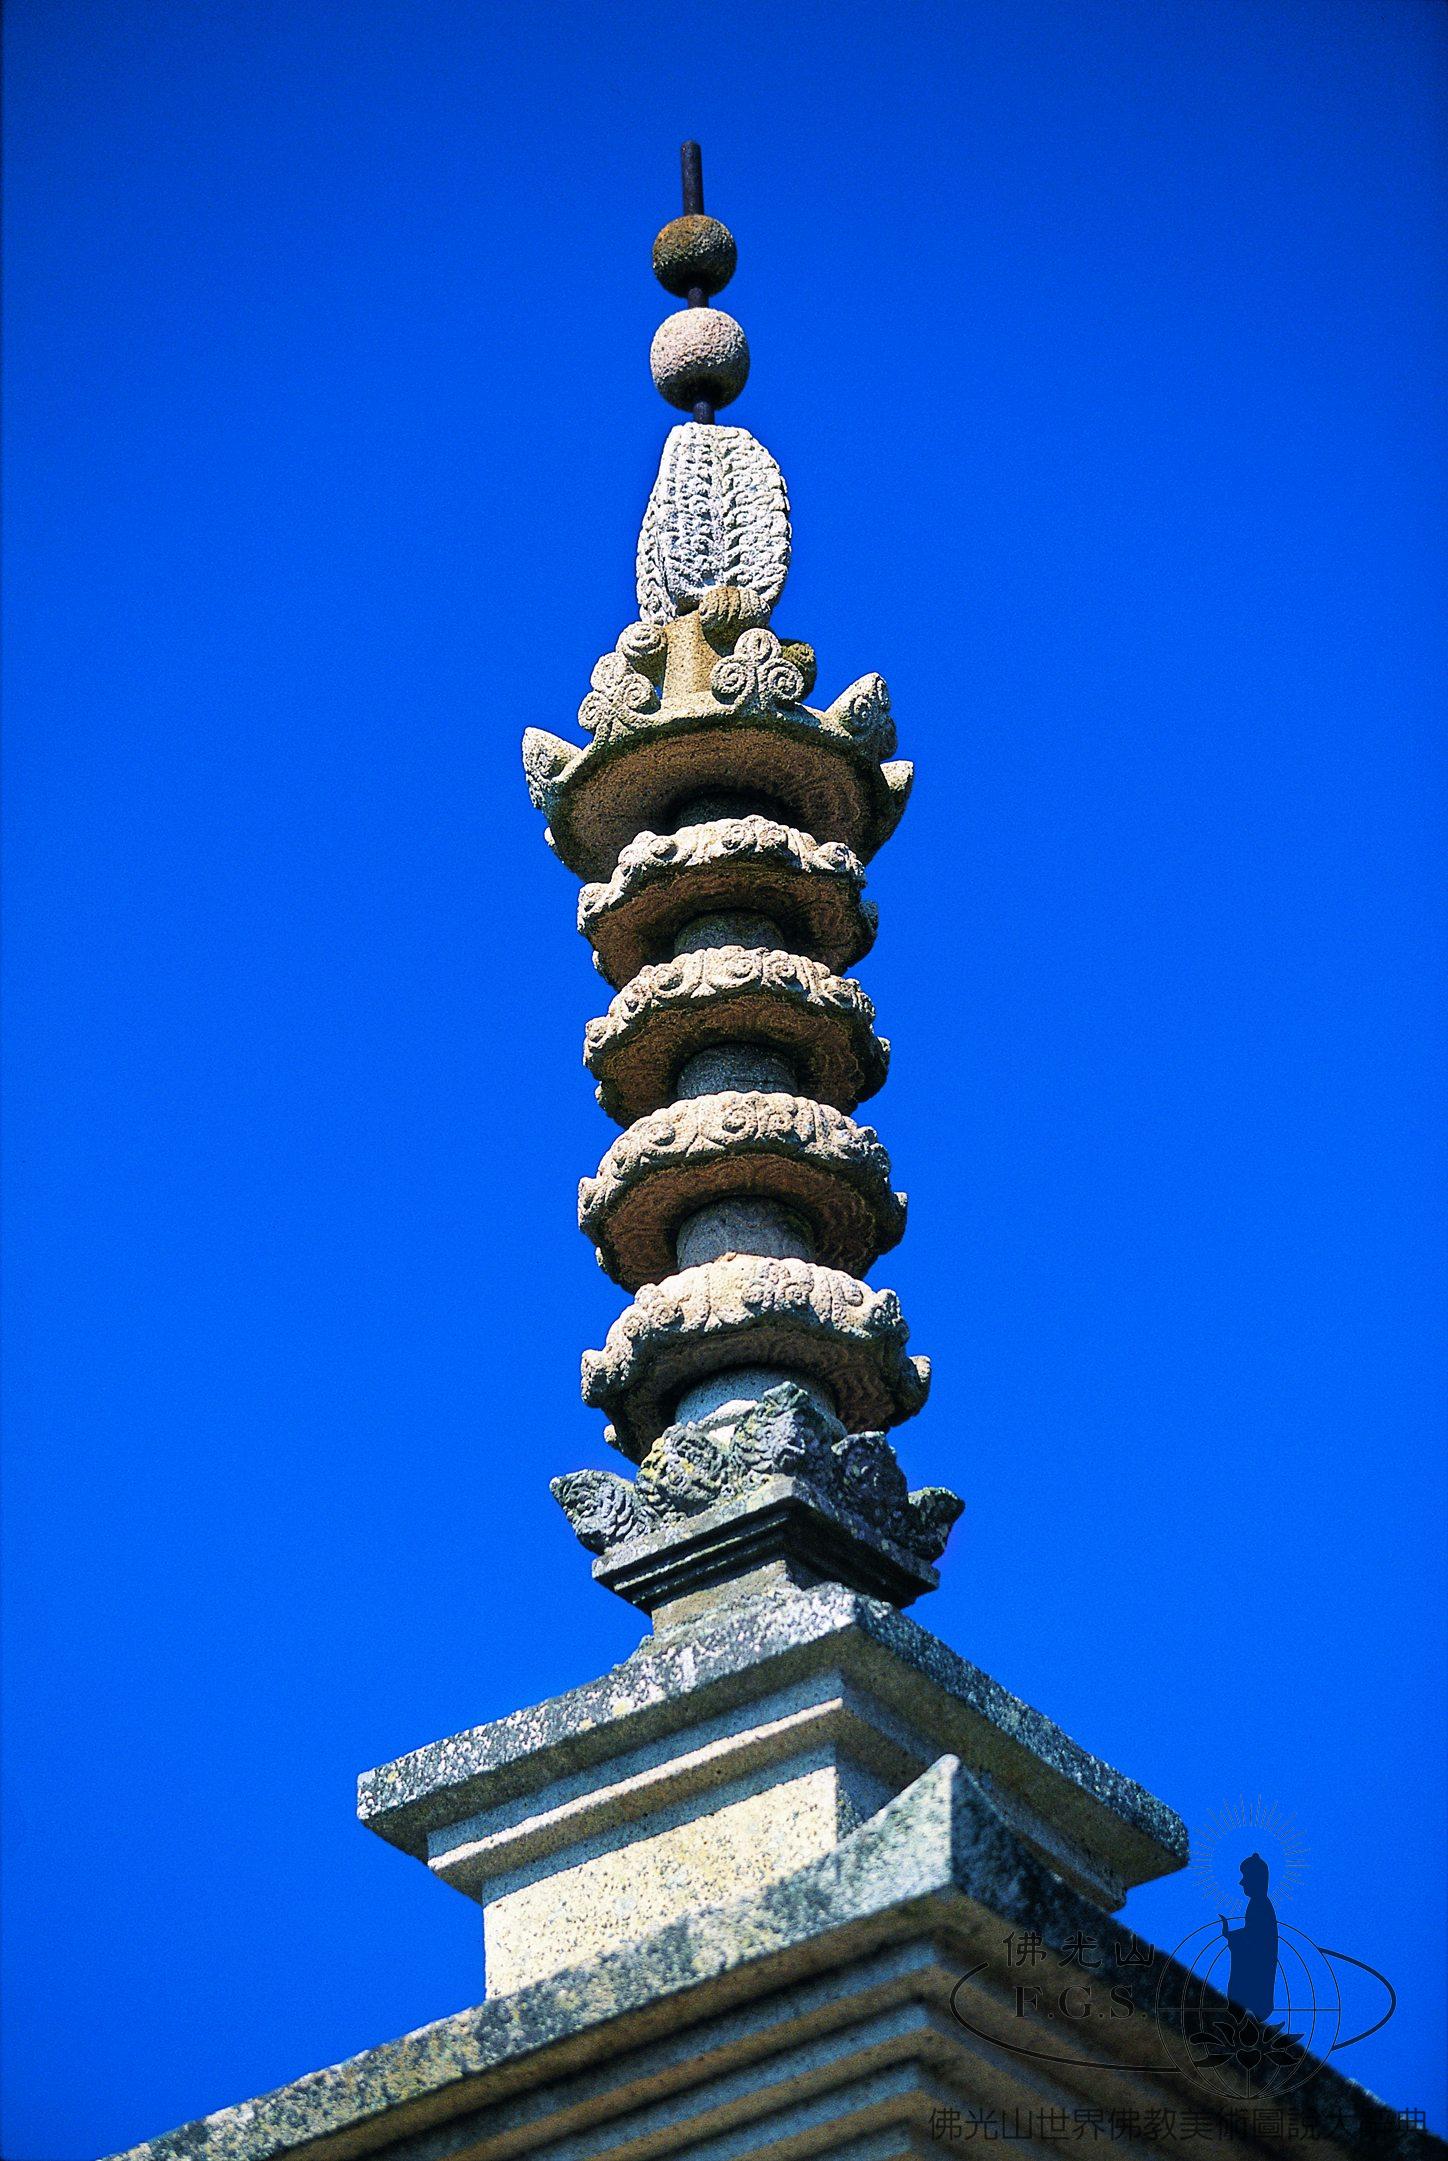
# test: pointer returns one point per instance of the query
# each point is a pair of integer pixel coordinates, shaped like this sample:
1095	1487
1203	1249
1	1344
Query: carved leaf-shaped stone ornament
718	515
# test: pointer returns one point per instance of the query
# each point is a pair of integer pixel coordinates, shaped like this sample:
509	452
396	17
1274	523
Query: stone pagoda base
766	1890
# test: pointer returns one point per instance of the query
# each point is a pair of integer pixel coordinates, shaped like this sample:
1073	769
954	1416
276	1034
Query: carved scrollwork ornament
757	675
722	826
626	681
787	1434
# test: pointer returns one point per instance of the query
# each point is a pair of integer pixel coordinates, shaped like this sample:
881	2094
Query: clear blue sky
1103	348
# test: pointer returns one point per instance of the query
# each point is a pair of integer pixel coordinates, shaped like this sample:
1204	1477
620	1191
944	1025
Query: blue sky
1103	349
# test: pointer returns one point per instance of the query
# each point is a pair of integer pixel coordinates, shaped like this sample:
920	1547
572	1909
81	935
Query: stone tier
597	800
792	1316
822	1024
811	890
830	1173
817	779
713	700
781	1535
777	1494
752	1738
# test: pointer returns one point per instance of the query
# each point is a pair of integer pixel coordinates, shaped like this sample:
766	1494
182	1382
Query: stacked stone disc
722	825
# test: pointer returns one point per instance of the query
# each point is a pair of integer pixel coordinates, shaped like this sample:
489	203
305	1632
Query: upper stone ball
694	253
699	355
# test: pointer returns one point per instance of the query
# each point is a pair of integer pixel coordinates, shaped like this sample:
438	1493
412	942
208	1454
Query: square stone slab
726	1754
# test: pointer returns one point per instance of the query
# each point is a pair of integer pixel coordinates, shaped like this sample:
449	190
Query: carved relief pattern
666	1010
756	677
546	758
701	699
848	1197
695	1466
795	1305
832	766
626	681
704	1126
716	972
722	840
718	514
863	712
663	879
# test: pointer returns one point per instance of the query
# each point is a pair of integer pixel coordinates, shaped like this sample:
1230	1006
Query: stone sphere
695	251
699	353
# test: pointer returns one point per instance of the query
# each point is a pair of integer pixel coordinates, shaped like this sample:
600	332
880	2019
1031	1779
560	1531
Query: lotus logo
1248	2007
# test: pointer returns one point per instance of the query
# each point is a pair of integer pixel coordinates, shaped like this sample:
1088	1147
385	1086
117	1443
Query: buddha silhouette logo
1247	2006
1250	2003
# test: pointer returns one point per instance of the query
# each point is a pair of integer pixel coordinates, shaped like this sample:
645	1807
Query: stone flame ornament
718	516
722	826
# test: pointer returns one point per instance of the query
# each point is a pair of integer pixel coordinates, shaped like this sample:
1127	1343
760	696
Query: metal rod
691	161
691	166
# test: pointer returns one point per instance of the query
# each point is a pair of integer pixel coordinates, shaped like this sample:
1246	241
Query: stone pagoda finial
722	826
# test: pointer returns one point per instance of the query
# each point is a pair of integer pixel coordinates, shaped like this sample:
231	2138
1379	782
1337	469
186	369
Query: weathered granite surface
704	1852
1092	1818
699	353
817	1322
777	1533
717	516
807	2015
781	1484
694	254
785	1434
822	1165
663	880
697	704
721	824
824	1024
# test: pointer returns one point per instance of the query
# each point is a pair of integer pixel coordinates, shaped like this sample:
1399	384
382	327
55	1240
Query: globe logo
1247	2008
1237	2052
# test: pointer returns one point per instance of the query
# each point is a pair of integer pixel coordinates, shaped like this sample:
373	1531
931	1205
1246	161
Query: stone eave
763	1644
938	1863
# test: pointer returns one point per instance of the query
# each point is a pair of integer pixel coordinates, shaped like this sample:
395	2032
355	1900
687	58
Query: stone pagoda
760	1890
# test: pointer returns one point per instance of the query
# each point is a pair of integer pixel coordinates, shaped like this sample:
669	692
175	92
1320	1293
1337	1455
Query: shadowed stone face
742	1226
715	804
740	1388
748	1067
735	1836
727	862
754	932
830	1173
731	995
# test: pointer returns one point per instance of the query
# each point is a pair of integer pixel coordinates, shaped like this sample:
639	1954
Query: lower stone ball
699	354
